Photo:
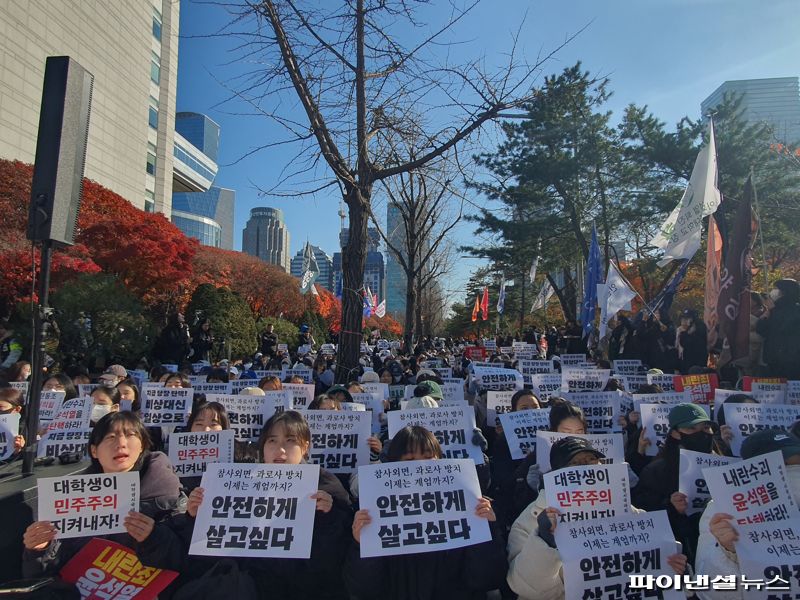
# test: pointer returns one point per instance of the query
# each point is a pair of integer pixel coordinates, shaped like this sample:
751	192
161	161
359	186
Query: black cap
770	440
565	449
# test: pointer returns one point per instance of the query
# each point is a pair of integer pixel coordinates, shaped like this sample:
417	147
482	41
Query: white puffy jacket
712	559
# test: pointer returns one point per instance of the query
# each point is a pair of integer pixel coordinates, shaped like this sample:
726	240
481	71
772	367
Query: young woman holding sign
118	444
457	574
286	439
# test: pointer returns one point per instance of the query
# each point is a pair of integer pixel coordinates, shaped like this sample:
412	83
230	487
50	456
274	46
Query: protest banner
105	570
610	445
196	379
497	403
496	378
487	364
632	383
452	394
69	431
573	360
247	414
627	367
665	382
506	349
534	367
691	480
86	389
377	388
166	406
396	393
700	387
769	393
768	560
283	347
490	345
753	491
237	385
793	392
520	429
420	506
600	559
374	403
300	395
474	353
327	350
352	407
172	368
670	398
211	388
655	420
748	381
254	510
88	505
269	373
546	385
190	452
584	380
452	425
139	376
339	439
9	429
601	410
589	492
443	371
22	386
746	419
304	372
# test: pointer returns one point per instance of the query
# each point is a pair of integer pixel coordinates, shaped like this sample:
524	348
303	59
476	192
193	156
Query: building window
155	68
156	24
151	159
149	201
153	118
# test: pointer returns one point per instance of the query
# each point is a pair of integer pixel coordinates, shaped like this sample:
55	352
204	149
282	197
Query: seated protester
252	391
340	393
11	401
724	437
270	383
354	387
503	467
129	391
689	428
118	444
247	371
716	552
325	402
217	376
157	373
60	383
535	569
457	574
105	400
286	439
294	379
177	380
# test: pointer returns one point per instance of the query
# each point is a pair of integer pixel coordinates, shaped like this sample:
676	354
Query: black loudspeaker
60	151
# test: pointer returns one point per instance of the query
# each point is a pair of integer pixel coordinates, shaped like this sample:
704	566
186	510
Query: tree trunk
418	311
354	256
411	310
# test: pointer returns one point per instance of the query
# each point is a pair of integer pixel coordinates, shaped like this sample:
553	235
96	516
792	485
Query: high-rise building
374	274
395	276
267	237
131	48
324	262
373	238
774	101
207	216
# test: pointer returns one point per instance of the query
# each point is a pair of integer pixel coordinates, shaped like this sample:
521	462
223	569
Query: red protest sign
701	387
747	381
105	570
475	353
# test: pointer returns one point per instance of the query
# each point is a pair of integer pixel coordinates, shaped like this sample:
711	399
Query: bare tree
357	83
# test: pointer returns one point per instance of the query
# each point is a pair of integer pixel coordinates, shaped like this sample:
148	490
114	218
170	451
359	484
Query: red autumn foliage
330	307
387	325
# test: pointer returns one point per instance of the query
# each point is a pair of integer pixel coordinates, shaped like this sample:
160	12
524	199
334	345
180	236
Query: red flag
733	309
713	258
485	304
476	309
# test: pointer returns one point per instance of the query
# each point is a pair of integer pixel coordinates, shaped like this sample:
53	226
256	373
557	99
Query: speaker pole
37	367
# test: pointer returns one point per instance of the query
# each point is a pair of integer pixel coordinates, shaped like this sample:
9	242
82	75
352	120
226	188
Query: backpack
224	581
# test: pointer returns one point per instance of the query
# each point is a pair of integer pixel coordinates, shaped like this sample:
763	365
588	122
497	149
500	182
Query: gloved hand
534	477
546	528
479	440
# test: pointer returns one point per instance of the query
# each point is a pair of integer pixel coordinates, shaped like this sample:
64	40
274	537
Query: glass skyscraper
267	237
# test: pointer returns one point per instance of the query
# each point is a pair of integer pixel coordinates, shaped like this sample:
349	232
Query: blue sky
667	54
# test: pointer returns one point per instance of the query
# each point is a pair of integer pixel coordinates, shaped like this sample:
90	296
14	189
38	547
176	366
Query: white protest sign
601	410
166	406
197	379
602	558
248	414
655	420
665	382
256	510
237	385
211	388
691	480
88	505
327	349
497	403
374	403
746	419
610	445
271	373
9	429
69	431
452	394
632	383
627	367
546	385
584	380
769	393
304	372
520	429
490	344
768	553
22	386
573	360
534	367
377	388
339	439
443	371
283	347
190	452
671	398
495	378
301	394
720	395
420	506
396	393
86	389
352	407
753	491
589	492
452	425
793	392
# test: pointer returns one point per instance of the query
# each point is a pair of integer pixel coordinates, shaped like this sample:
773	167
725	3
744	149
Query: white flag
617	296
314	290
380	311
680	234
543	297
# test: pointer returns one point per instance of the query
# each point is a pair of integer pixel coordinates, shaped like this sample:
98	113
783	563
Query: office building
207	216
324	262
267	237
131	48
374	274
395	275
774	101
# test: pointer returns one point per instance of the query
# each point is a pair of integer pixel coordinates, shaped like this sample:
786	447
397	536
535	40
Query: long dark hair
292	421
70	391
128	422
561	409
413	439
214	407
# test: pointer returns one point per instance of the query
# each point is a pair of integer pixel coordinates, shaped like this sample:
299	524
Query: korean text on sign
610	444
88	505
190	452
589	493
339	439
520	429
452	426
691	480
166	406
420	506
256	510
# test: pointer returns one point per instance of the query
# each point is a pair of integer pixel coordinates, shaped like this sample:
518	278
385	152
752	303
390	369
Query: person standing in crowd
20	371
172	346
269	341
656	335
113	375
304	337
692	341
202	341
780	328
10	348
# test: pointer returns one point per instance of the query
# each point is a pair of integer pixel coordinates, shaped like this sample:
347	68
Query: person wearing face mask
106	400
113	375
11	402
716	550
780	328
690	428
